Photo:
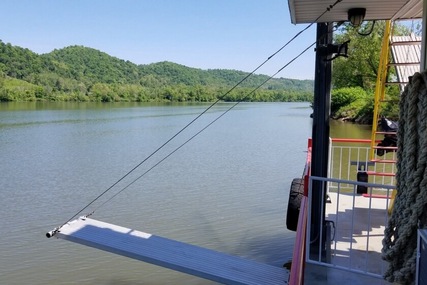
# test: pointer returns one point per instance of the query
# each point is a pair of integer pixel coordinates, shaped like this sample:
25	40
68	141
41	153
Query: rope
409	212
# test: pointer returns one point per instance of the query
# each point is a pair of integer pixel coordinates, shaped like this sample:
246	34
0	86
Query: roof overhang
308	11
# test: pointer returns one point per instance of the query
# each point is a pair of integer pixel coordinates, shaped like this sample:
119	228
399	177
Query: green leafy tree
360	69
361	66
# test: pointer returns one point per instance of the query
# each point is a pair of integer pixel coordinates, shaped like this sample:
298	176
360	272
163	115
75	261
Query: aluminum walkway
190	259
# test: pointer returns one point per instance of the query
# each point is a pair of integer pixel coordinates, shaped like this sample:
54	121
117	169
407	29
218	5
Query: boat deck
356	241
321	275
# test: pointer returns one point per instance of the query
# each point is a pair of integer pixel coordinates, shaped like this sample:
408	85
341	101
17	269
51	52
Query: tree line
78	73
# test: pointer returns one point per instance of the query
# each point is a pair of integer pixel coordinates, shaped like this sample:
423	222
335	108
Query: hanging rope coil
409	212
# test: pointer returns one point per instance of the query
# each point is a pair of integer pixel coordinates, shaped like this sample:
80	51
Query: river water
226	189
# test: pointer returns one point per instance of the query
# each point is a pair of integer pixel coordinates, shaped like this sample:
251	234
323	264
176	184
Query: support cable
204	128
202	113
213	121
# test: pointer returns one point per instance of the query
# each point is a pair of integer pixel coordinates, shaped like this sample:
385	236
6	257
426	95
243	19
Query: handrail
307	169
298	256
357	220
344	181
367	141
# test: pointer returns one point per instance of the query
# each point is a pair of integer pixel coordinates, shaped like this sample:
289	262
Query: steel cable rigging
198	116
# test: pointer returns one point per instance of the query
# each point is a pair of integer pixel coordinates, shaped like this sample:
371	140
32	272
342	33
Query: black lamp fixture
356	16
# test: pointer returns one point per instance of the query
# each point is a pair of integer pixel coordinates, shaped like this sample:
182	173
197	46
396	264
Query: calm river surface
227	189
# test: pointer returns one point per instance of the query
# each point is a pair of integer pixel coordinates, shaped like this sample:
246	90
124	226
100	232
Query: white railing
350	160
354	225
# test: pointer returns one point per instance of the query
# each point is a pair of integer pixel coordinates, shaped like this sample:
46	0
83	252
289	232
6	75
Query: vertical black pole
320	148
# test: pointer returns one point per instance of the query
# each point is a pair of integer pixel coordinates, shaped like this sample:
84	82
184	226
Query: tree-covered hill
78	73
90	65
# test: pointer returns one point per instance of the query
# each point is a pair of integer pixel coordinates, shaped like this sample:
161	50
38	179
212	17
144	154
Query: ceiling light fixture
356	16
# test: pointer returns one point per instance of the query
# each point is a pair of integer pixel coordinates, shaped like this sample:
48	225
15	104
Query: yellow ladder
380	85
405	54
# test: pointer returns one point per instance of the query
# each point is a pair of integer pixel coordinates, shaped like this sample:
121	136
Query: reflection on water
226	190
340	129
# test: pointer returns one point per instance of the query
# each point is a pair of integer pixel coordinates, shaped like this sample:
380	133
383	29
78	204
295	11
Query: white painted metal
359	224
190	259
345	159
307	11
423	64
422	238
413	9
406	53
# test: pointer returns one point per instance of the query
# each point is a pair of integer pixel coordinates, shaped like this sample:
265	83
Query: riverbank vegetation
78	73
354	78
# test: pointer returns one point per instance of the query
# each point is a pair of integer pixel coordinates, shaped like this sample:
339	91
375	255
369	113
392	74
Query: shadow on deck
357	231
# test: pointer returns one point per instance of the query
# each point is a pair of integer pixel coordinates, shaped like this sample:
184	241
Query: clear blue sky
206	34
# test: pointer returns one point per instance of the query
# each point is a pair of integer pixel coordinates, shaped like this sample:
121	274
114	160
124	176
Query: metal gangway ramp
172	254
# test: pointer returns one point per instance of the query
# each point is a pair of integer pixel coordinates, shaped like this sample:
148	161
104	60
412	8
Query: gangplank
179	256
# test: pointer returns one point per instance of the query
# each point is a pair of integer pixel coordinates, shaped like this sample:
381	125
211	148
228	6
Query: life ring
294	203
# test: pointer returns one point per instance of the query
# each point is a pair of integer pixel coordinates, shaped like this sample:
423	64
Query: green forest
354	77
81	74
